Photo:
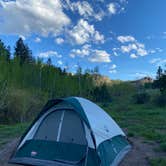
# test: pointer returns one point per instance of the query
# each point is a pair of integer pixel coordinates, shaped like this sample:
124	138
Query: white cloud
60	62
141	75
141	51
59	40
128	48
84	9
133	56
84	51
158	61
24	17
83	33
132	46
124	39
152	51
155	50
22	37
112	8
49	54
37	40
159	49
117	7
112	69
93	55
99	56
155	60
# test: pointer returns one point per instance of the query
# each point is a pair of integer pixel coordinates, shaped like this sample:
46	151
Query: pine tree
5	52
22	52
8	54
49	61
159	73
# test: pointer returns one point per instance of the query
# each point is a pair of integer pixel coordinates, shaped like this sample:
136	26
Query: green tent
72	131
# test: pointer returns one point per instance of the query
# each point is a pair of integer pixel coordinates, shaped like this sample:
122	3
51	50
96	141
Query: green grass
142	121
158	162
8	132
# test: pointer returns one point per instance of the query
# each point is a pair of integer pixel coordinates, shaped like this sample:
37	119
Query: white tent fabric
103	127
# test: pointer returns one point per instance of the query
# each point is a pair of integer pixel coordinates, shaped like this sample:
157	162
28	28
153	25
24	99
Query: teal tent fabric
78	108
58	151
109	150
52	150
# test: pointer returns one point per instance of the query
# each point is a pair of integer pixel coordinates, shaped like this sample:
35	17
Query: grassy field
8	132
142	121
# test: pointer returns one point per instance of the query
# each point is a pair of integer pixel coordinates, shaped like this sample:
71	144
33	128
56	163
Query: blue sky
126	39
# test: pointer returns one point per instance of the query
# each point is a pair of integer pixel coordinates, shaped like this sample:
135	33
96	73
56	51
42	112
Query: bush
158	162
163	146
161	100
141	98
21	106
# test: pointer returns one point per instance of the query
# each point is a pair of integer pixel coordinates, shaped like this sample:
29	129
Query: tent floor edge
36	162
119	158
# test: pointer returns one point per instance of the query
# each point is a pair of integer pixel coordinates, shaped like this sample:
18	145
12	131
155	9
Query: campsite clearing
145	127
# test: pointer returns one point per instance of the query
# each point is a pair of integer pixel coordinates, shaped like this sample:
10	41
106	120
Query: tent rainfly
72	132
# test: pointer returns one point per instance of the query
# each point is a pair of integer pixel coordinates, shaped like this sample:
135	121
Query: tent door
62	126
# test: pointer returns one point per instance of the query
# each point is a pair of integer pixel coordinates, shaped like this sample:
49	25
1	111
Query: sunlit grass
142	121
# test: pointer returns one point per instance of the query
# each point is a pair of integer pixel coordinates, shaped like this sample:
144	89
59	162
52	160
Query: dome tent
72	131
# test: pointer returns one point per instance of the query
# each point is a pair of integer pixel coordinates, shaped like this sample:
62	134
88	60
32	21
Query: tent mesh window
60	137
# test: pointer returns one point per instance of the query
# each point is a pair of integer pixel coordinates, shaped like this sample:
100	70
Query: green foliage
26	84
8	132
160	82
20	106
101	93
22	52
163	146
160	100
4	52
141	98
159	73
158	162
122	90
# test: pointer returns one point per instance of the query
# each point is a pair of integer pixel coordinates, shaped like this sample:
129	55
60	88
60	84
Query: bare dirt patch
141	153
6	151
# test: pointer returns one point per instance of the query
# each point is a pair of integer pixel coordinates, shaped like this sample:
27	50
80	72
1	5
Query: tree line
26	83
24	77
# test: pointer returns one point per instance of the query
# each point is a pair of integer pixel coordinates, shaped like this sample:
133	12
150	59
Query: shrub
21	106
157	162
163	146
141	98
161	100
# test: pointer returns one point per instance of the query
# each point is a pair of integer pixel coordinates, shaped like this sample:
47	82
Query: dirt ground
139	155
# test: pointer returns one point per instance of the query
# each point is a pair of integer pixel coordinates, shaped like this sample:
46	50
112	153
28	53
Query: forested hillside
27	83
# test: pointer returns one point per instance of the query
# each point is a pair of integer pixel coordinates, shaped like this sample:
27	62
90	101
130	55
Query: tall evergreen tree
159	73
4	51
49	61
8	54
22	52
